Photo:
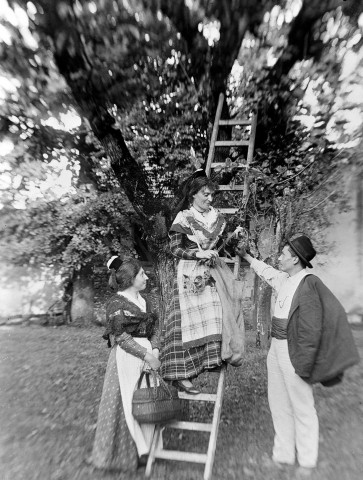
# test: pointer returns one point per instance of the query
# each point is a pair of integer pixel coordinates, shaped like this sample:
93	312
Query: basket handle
141	377
155	376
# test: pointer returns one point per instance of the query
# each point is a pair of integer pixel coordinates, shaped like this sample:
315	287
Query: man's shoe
185	388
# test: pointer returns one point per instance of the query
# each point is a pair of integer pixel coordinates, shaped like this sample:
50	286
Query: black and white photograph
181	239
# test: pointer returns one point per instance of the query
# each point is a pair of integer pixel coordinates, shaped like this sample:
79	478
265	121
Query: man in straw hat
311	342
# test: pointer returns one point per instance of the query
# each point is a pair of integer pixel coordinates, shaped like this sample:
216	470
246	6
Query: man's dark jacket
320	341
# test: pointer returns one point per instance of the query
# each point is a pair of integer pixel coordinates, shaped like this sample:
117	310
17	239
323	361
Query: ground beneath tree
51	381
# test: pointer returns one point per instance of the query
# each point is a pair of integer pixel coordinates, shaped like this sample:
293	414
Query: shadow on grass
52	379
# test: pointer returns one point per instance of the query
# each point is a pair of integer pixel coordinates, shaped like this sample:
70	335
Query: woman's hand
207	254
152	361
156	353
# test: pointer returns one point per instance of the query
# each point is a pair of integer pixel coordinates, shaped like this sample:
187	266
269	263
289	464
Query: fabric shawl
233	329
200	305
205	231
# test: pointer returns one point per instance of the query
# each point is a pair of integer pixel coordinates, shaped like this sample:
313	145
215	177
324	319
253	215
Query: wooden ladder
211	165
217	398
204	458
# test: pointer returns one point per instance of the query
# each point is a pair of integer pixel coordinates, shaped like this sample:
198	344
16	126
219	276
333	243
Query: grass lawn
51	381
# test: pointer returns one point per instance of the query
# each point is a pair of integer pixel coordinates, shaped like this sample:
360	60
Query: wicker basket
157	403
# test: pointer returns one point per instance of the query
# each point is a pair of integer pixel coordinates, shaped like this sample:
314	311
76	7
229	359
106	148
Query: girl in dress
192	332
121	443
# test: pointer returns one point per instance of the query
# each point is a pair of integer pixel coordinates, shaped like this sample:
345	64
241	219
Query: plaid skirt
177	363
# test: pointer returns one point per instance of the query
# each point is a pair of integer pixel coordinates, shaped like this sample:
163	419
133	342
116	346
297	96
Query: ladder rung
232	143
194	426
181	456
236	121
229	188
228	211
203	397
229	260
222	165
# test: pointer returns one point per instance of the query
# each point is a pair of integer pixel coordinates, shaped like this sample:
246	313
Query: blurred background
106	106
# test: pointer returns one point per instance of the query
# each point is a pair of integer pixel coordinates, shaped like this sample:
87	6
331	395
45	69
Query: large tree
145	76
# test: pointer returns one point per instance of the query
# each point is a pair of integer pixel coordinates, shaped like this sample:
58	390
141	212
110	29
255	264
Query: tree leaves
144	80
80	234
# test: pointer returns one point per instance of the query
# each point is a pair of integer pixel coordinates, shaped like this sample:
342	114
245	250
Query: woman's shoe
185	388
143	460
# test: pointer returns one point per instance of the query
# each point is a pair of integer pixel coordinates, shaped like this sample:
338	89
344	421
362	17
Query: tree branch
300	43
89	88
319	203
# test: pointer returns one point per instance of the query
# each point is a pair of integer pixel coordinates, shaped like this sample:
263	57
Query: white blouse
140	302
284	285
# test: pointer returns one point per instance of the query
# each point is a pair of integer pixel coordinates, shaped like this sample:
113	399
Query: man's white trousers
292	408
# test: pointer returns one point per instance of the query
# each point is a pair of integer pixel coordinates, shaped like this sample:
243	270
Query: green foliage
297	165
169	137
144	69
61	203
84	230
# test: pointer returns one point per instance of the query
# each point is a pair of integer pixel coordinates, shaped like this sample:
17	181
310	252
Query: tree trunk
360	222
165	272
90	89
82	308
262	229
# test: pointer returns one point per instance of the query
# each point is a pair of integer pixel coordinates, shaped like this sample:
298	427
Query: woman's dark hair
197	185
189	189
125	275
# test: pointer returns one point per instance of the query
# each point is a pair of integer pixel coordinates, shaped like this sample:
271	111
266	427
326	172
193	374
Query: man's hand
241	250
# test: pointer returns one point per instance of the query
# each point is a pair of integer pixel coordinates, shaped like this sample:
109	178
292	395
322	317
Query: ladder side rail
154	445
214	134
251	146
215	424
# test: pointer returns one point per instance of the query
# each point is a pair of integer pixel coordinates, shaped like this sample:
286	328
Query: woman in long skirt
121	443
192	331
